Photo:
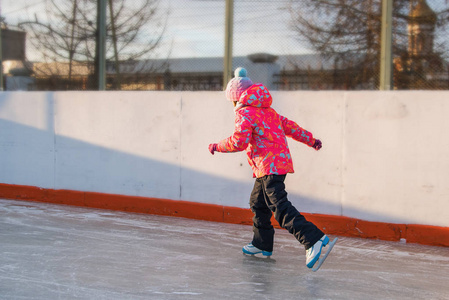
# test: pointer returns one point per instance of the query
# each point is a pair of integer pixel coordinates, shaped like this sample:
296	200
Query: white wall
384	155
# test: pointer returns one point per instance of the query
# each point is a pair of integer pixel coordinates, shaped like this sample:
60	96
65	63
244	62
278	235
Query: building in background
16	70
288	72
420	67
191	74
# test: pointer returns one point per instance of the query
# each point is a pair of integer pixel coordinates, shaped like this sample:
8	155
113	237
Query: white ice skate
251	250
313	253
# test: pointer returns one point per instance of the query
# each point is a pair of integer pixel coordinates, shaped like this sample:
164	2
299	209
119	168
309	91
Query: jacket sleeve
293	130
241	137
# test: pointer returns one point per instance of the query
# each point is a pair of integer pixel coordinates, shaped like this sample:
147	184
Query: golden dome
422	13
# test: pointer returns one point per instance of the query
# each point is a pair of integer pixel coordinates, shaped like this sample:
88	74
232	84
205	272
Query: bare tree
67	34
348	31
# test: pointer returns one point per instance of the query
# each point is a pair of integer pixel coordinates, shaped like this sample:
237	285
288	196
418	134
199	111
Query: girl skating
262	132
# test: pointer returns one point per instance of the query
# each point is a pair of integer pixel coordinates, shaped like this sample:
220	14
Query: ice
63	252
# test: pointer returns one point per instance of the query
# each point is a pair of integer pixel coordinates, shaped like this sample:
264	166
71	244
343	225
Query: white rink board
384	155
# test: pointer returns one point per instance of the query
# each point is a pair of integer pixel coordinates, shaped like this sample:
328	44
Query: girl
262	132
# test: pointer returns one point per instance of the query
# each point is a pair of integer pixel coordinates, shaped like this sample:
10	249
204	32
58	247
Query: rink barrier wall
383	163
330	224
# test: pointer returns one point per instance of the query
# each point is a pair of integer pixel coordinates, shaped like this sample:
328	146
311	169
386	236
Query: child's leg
262	228
286	214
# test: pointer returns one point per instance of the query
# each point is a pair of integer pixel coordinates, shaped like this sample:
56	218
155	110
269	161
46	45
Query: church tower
421	30
420	67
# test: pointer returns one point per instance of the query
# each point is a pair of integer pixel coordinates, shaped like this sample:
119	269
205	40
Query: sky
198	26
195	28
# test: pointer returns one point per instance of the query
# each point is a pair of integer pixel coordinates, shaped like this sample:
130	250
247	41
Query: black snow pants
269	196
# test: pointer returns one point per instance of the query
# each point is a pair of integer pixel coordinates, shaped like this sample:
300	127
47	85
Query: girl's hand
317	145
212	148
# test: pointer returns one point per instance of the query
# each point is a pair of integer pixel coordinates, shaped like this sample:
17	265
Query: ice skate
251	250
313	260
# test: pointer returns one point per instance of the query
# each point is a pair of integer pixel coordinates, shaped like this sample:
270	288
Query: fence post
1	56
386	48
229	23
102	45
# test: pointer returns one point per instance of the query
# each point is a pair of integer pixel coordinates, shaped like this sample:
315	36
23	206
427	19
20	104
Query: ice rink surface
63	252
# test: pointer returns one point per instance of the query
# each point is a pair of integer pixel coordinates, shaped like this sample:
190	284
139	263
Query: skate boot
251	250
314	252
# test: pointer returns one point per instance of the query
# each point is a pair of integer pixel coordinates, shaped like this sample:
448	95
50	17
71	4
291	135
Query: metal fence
180	44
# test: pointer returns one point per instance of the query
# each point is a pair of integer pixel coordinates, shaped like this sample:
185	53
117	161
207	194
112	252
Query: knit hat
238	84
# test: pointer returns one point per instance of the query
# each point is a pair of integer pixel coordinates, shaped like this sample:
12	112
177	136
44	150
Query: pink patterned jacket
262	132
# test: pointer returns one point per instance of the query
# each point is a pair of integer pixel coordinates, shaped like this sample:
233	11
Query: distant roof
61	69
202	65
215	64
306	61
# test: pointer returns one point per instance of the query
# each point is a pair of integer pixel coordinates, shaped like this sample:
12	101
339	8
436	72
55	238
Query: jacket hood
257	95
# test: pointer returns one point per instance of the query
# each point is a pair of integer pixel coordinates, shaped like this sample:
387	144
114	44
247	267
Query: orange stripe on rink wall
330	224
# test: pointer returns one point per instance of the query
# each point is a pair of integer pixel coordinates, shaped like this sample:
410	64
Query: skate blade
258	255
323	258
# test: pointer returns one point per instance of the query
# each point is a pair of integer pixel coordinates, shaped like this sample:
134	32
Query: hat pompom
240	72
